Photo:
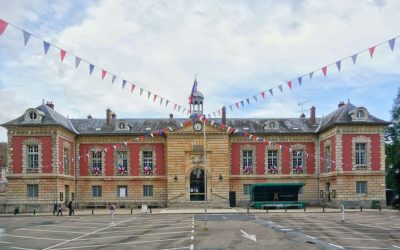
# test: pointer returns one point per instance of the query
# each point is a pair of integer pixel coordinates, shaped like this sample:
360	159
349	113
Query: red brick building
177	162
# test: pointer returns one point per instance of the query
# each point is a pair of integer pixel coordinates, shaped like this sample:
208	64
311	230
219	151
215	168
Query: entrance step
198	204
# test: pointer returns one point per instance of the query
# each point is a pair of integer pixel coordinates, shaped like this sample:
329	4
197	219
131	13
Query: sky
235	49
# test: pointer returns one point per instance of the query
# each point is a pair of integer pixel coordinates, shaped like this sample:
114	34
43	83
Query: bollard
323	209
285	209
248	208
342	208
150	210
92	211
380	208
304	208
131	210
361	209
34	212
267	210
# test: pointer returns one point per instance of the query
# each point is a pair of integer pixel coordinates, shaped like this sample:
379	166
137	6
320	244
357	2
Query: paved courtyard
262	230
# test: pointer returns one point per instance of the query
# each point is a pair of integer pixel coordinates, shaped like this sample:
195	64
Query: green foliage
392	136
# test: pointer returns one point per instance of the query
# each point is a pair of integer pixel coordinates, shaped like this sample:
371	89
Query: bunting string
64	53
338	64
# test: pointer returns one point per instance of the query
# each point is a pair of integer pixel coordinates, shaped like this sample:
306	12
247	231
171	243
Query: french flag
194	90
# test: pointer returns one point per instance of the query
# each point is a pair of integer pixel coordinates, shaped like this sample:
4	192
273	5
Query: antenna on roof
302	105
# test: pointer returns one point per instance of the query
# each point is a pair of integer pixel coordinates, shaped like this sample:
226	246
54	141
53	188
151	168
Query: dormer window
33	116
359	114
121	125
271	125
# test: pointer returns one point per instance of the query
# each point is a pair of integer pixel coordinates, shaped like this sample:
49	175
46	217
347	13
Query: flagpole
205	178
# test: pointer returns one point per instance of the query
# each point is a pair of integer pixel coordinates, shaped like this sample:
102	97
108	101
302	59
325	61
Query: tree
392	135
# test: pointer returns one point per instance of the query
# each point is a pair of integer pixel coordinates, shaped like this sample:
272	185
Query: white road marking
53	231
176	248
336	246
369	226
248	236
192	237
5	242
140	230
310	237
128	235
395	246
286	229
223	217
191	247
59	244
356	247
30	237
192	231
74	227
23	248
118	244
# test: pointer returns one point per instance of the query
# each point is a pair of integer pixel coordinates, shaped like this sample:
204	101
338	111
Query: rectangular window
147	190
248	160
32	190
147	162
122	162
96	162
328	159
272	161
33	158
297	161
361	187
361	156
246	189
96	190
66	161
122	191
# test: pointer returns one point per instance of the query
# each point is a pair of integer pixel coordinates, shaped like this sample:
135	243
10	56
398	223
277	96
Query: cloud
237	49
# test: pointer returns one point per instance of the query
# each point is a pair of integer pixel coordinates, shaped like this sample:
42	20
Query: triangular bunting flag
103	74
248	101
113	79
179	108
183	110
242	102
62	54
141	91
123	83
280	88
371	51
46	47
26	36
289	83
219	112
237	105
271	92
214	114
311	75
354	58
255	98
148	94
154	98
263	94
161	101
166	103
3	26
338	65
391	41
175	106
324	69
133	87
91	67
299	80
230	107
77	61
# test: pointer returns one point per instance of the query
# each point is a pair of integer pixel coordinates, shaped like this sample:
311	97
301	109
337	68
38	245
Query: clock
197	126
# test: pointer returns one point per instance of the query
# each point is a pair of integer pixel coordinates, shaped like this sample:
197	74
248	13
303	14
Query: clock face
197	126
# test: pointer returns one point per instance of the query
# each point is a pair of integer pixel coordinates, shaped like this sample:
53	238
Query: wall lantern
221	178
176	178
333	193
321	193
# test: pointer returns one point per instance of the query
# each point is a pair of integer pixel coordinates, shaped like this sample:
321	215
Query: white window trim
25	144
141	162
128	154
279	161
96	149
297	147
353	114
328	143
248	147
367	141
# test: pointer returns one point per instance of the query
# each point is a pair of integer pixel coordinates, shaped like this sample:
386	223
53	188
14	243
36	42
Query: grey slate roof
149	125
51	117
342	116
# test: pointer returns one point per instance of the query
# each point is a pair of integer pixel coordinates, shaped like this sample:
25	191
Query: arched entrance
197	185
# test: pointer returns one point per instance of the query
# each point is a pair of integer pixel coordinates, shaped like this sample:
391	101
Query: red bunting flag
289	83
3	26
133	87
237	105
175	106
154	98
324	69
263	95
103	74
371	51
62	54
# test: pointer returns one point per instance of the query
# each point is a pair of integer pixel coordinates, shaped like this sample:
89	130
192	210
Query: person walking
71	209
112	211
59	211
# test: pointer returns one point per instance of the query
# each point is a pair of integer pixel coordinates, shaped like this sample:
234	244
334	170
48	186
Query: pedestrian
59	211
55	208
71	209
111	206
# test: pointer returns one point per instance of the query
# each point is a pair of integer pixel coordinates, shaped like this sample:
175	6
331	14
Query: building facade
176	162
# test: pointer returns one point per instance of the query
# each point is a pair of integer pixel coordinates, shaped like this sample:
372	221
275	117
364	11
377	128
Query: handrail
179	195
220	196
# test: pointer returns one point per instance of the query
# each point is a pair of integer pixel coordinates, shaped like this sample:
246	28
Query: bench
281	205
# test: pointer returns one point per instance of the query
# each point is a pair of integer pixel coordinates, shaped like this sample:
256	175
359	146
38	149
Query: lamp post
205	178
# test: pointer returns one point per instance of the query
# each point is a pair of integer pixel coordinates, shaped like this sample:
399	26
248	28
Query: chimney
108	116
312	115
171	116
89	116
223	115
302	116
341	103
50	104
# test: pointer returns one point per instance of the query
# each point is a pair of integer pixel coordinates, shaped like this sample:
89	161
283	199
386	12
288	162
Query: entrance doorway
197	185
328	191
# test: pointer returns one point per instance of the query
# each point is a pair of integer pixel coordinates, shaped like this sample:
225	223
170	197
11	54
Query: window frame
246	189
66	161
148	191
32	191
125	162
32	158
273	161
119	188
96	162
97	191
327	159
248	162
360	186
